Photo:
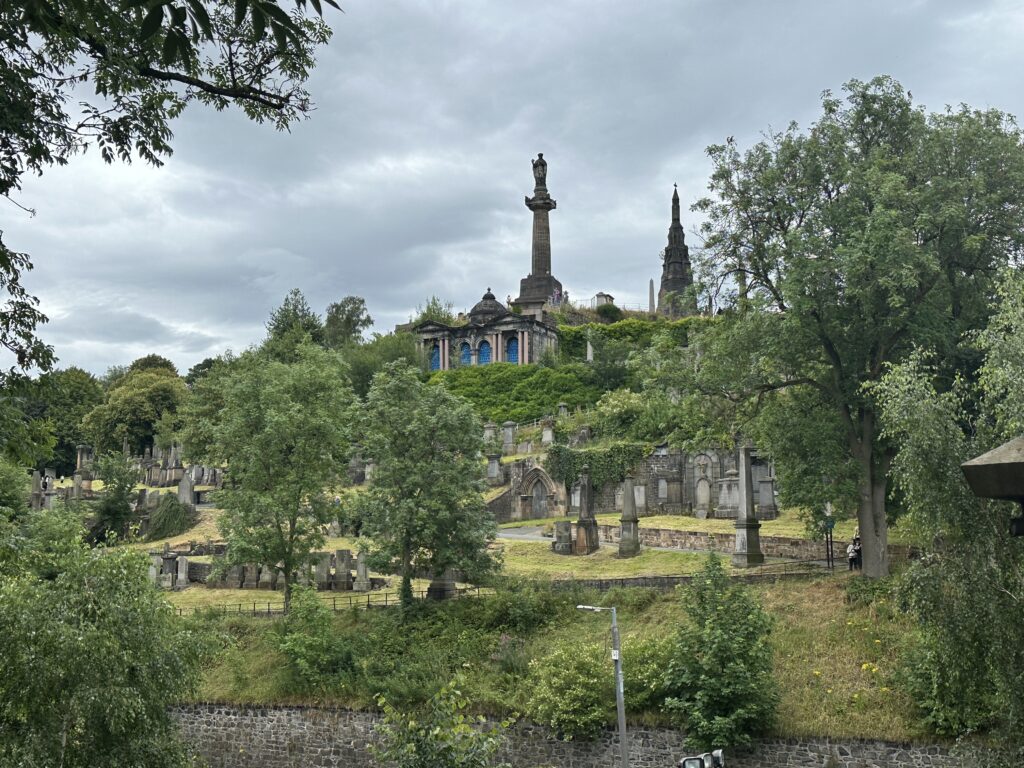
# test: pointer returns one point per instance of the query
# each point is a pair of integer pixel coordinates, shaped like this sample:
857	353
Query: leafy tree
200	369
318	656
282	430
424	510
345	322
114	509
837	251
609	313
438	735
719	678
63	398
92	653
294	319
25	436
365	360
14	491
435	310
966	590
152	361
134	406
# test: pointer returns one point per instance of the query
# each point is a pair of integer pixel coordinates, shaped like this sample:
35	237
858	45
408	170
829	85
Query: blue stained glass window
465	357
512	350
435	358
483	353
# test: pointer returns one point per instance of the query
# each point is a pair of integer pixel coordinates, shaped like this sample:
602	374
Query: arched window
483	353
435	357
512	350
465	356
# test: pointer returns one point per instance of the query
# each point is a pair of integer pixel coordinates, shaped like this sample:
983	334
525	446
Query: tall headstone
233	578
490	431
729	495
562	545
156	563
362	582
590	352
508	438
586	527
563	409
186	490
547	434
494	473
266	580
767	509
182	579
251	580
342	570
629	540
748	538
323	570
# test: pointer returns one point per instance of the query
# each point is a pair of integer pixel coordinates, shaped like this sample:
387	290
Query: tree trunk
289	578
873	486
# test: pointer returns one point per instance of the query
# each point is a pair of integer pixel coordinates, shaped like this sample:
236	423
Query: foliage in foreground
572	690
92	653
719	678
437	735
317	656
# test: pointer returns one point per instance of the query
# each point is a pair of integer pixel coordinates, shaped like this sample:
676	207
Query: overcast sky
409	179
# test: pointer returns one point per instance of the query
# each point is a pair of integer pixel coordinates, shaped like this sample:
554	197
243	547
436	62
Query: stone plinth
562	545
728	496
587	538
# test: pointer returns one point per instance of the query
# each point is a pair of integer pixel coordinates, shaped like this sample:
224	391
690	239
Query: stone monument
629	540
748	537
362	582
539	287
562	545
586	527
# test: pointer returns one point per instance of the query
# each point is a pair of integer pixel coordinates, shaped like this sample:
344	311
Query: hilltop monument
539	287
676	272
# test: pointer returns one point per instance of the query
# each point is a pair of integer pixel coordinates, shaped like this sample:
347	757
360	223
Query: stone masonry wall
310	737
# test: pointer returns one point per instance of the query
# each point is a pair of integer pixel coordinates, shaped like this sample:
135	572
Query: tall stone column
586	527
629	540
748	536
540	286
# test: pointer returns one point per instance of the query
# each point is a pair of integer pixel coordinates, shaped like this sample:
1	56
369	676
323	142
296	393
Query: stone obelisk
539	287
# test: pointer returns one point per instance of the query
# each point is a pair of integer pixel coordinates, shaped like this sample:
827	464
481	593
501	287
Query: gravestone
362	581
76	486
251	580
767	509
508	438
547	435
233	578
342	570
562	545
167	581
182	579
186	491
729	495
586	527
524	448
494	473
563	409
590	352
490	432
266	580
323	570
662	489
281	580
640	497
155	564
368	470
442	587
748	538
629	540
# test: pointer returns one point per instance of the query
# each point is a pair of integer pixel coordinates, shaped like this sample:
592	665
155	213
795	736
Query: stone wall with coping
312	737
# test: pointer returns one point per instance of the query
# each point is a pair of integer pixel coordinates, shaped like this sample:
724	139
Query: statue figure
540	170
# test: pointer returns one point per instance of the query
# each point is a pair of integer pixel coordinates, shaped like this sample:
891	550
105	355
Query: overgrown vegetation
607	463
170	518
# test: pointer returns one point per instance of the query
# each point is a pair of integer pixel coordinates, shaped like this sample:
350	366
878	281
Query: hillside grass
534	559
834	661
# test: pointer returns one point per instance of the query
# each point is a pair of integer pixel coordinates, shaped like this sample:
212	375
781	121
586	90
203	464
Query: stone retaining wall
310	737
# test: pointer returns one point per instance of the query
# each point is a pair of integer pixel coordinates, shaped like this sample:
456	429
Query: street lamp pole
620	702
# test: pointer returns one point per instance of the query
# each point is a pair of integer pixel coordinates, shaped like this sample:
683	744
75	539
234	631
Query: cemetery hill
344	548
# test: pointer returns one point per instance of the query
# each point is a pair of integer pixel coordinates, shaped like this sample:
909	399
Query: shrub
170	518
572	690
14	491
609	313
643	670
317	656
719	678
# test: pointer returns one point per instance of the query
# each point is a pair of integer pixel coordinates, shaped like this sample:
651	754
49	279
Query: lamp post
620	703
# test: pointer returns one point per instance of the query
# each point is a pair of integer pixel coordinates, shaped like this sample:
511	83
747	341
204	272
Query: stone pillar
182	579
490	431
748	538
541	204
590	352
547	431
508	436
729	495
186	490
368	470
629	541
767	510
442	587
494	473
524	352
650	298
36	499
562	545
342	570
586	527
563	409
323	571
362	582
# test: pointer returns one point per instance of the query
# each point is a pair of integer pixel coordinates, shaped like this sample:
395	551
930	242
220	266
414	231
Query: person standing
851	555
858	555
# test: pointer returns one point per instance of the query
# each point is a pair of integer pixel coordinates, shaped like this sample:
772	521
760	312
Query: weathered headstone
182	579
729	495
494	473
508	438
156	563
233	578
251	580
362	582
629	540
748	538
563	409
767	509
342	570
442	587
323	570
490	432
186	490
547	434
562	545
586	527
266	580
368	470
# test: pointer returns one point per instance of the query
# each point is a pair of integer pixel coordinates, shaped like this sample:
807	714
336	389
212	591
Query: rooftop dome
487	309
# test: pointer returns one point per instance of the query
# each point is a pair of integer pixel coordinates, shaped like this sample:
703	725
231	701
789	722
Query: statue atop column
540	170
